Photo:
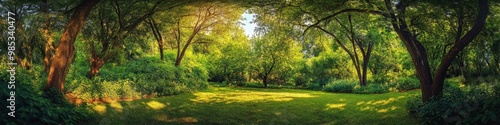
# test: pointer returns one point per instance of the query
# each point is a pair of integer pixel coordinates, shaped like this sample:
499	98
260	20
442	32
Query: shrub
109	90
413	104
36	107
254	84
406	83
148	76
469	105
370	89
128	91
341	86
301	80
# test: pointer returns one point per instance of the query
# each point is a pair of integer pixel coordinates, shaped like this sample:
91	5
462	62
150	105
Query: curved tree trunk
66	50
432	86
437	85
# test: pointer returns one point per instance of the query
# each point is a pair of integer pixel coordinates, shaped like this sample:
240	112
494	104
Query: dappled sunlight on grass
387	109
165	118
335	106
380	102
233	105
379	106
101	109
247	96
155	105
117	106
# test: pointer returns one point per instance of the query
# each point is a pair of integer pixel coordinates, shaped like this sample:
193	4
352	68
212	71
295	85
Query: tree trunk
366	60
65	50
416	50
160	46
46	34
437	85
95	65
188	43
432	86
157	36
265	81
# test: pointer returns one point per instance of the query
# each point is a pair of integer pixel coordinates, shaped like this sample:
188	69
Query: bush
370	89
148	76
406	83
413	104
254	85
469	105
109	90
301	80
36	107
341	86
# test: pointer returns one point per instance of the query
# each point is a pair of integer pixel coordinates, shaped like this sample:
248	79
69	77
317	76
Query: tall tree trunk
437	85
65	50
157	35
184	49
432	86
46	34
366	60
415	48
267	72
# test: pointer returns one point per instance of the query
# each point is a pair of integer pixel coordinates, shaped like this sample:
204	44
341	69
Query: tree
431	86
157	34
233	60
65	51
402	23
44	8
276	52
360	45
114	26
25	36
203	17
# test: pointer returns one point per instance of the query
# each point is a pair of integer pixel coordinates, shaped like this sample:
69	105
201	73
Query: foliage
232	62
136	78
328	66
405	84
37	107
342	86
370	89
467	105
276	61
253	85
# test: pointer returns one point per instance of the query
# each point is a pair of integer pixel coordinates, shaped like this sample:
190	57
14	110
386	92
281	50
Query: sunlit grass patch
228	105
336	106
155	105
100	108
246	96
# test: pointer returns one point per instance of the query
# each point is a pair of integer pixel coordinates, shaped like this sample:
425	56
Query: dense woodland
73	54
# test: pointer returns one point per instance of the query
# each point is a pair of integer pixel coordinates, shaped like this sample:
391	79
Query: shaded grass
229	105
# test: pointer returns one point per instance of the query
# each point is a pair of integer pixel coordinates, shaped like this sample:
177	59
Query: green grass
229	105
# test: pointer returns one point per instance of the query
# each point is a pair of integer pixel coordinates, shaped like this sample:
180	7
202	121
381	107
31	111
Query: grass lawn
230	105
